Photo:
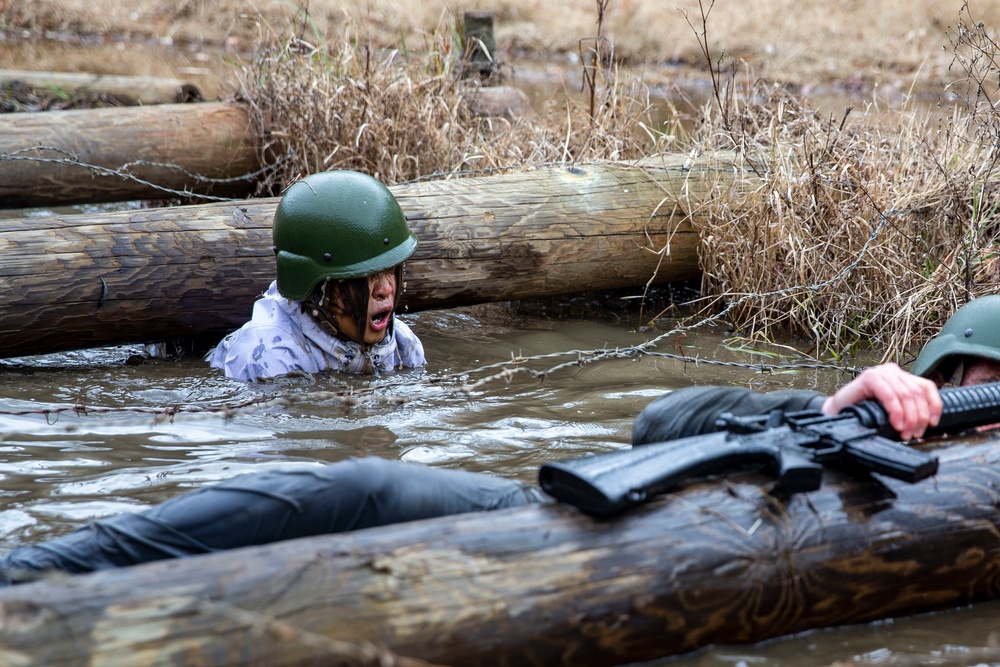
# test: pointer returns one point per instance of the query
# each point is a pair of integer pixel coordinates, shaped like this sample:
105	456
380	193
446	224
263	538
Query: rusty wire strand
456	384
71	160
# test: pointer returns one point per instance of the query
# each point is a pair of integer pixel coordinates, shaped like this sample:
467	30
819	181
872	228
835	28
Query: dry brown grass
858	233
892	42
337	103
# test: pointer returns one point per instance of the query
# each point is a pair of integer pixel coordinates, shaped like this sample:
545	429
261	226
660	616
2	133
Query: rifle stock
609	483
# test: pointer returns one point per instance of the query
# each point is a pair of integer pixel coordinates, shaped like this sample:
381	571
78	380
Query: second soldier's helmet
974	331
337	224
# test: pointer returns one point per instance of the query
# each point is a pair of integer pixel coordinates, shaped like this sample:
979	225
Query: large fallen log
152	274
544	585
119	89
165	151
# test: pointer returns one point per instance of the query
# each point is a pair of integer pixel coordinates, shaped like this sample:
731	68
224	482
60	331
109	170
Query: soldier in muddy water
341	239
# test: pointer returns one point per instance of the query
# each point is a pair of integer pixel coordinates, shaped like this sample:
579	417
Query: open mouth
381	318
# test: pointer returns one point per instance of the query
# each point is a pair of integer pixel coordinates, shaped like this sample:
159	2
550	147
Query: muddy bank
212	69
798	43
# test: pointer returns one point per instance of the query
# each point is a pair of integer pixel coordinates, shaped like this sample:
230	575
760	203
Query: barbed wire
573	162
70	159
455	384
840	275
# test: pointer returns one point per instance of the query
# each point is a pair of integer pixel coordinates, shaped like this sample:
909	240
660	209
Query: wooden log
545	585
151	274
125	153
126	90
164	151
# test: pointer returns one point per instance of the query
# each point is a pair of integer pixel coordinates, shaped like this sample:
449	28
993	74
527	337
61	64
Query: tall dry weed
334	102
856	233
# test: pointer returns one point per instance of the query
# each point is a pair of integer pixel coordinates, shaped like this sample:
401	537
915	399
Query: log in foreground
152	274
126	153
545	585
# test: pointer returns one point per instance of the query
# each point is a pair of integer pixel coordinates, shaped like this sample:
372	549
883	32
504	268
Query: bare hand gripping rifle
794	445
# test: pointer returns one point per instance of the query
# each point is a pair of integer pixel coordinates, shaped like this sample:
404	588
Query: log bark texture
125	153
544	585
128	90
148	275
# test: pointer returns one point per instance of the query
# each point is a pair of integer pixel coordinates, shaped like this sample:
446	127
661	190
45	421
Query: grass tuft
335	102
857	234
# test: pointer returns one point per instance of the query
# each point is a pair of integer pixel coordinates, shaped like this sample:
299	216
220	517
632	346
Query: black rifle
793	445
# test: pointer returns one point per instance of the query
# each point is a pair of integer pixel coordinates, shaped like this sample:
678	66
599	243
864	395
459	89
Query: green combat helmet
974	330
337	224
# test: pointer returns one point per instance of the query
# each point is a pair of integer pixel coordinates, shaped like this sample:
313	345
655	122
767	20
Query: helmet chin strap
319	311
321	318
958	373
321	314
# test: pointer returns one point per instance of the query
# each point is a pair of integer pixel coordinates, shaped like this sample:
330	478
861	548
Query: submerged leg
269	507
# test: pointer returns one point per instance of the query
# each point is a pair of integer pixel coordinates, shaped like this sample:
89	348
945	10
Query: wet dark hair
354	294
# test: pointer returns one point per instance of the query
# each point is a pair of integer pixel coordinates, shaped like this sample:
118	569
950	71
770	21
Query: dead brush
399	116
858	235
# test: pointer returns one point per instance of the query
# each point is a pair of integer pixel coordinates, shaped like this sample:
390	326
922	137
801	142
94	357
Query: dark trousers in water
268	507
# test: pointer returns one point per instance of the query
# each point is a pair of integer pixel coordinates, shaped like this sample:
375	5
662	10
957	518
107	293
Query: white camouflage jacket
280	339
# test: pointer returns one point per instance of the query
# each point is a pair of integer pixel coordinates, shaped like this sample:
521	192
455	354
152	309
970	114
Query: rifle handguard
963	408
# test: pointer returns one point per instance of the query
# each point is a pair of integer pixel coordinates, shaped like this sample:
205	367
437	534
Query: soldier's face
382	296
979	371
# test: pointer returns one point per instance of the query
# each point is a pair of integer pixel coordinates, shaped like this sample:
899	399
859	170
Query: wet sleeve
694	410
269	507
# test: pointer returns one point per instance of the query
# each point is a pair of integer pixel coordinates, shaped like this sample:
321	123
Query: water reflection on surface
64	461
957	637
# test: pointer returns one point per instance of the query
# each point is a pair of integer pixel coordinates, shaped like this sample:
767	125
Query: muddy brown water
60	470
